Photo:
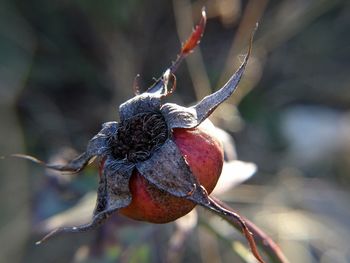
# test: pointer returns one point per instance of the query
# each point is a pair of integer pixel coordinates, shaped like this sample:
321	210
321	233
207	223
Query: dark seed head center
139	136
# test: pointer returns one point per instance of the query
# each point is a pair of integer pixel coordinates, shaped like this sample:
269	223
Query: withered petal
181	117
170	174
113	191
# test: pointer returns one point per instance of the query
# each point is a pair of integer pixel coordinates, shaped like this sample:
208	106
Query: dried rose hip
160	160
204	155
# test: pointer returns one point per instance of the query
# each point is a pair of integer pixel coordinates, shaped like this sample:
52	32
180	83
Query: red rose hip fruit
204	155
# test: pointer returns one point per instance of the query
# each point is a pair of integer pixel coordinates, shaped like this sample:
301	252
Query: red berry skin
204	155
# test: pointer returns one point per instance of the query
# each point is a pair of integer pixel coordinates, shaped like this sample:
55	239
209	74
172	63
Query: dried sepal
178	116
139	104
72	167
97	146
97	220
181	117
208	104
168	170
113	194
113	191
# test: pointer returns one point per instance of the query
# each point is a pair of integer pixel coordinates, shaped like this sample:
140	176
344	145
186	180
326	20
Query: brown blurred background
65	66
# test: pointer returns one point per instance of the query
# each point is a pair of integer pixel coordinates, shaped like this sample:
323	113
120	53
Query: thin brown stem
230	216
262	239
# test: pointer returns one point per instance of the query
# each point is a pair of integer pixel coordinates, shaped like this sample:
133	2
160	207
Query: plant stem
262	239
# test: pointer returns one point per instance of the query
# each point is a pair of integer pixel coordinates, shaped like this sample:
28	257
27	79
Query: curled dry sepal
151	162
